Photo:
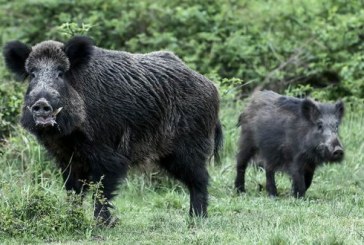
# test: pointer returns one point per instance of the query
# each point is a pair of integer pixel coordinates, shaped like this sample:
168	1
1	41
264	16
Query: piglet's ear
340	109
79	50
15	54
310	110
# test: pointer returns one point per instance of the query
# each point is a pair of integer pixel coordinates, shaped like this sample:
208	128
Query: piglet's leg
246	152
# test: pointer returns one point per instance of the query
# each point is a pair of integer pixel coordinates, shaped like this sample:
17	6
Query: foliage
34	205
312	45
72	29
41	215
272	44
11	95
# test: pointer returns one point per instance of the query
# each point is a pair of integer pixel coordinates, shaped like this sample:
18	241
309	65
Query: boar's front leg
298	179
298	185
75	176
309	171
271	183
108	167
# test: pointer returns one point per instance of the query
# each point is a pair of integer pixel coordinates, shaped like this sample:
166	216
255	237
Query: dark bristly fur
119	109
288	134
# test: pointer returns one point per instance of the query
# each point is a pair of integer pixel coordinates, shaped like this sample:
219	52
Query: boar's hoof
240	190
260	187
103	217
239	186
298	195
273	196
108	223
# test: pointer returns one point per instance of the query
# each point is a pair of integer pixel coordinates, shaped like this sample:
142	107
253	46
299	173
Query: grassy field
154	209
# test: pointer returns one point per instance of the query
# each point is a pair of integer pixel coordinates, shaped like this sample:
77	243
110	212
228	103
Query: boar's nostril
42	108
46	108
36	108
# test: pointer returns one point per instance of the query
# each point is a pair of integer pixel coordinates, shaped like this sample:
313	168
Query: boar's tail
219	138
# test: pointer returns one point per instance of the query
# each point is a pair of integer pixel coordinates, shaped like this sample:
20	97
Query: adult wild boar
288	134
99	111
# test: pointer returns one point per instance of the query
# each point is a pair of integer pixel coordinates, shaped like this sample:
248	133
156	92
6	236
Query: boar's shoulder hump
290	104
269	101
159	56
265	97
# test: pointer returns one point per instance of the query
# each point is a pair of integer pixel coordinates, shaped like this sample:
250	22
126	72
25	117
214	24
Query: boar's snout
338	153
43	113
41	108
331	151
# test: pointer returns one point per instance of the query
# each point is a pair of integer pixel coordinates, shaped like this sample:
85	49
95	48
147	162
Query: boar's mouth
42	121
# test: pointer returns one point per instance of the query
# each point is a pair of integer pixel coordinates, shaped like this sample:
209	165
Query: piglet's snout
338	152
41	108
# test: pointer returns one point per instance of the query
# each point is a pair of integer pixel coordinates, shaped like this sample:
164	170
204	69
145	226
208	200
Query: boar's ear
79	51
15	54
310	110
339	109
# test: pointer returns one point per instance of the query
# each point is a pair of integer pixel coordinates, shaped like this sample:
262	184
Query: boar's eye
337	127
32	74
320	126
60	74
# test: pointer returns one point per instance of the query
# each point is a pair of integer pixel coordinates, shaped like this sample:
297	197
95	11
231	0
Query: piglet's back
266	104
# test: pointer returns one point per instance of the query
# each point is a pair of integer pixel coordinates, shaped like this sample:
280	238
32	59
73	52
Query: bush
268	44
42	215
272	44
11	95
33	203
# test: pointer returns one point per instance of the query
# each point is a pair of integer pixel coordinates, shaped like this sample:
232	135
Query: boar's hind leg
190	169
271	183
246	151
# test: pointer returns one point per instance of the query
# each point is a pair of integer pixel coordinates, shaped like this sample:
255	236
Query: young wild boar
99	111
289	134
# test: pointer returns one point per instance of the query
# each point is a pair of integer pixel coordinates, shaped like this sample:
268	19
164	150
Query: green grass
153	209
